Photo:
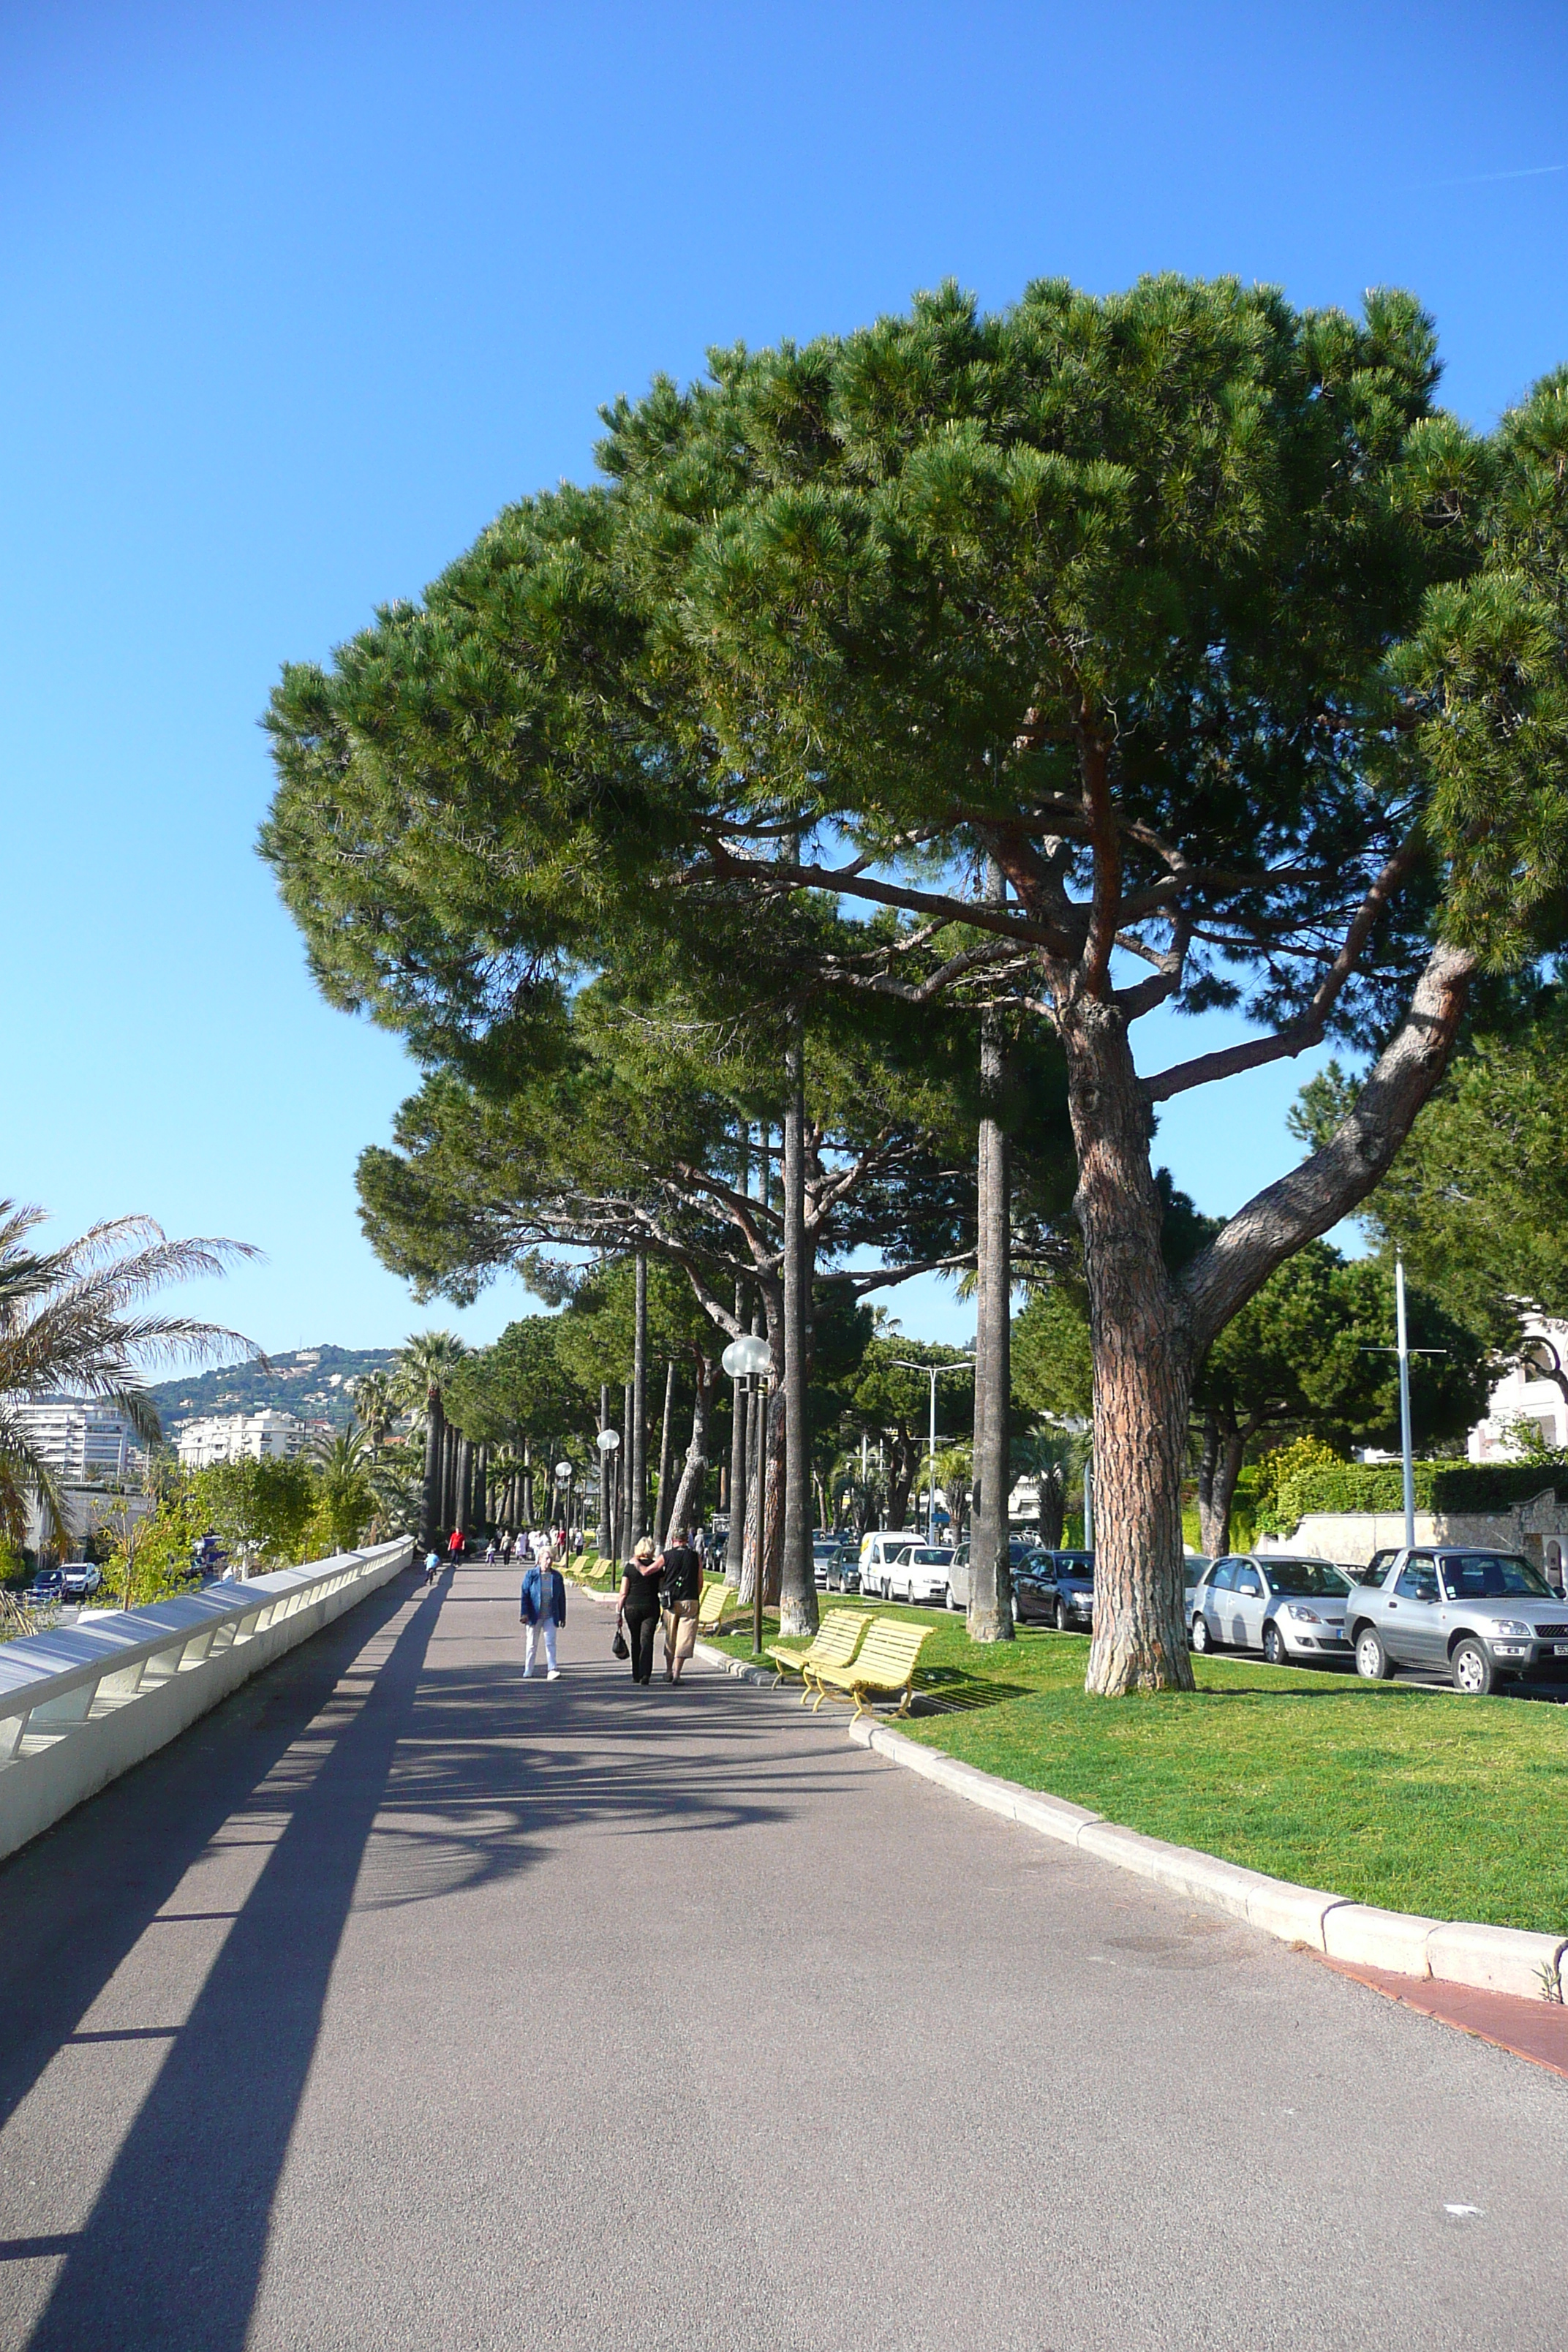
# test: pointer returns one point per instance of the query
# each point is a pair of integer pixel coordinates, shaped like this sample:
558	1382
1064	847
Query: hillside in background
311	1382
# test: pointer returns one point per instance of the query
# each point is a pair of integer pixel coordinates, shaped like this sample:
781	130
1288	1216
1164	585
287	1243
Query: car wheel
1201	1642
1372	1659
1472	1669
1064	1622
1274	1648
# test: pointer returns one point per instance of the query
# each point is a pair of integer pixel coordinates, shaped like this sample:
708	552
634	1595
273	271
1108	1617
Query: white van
879	1548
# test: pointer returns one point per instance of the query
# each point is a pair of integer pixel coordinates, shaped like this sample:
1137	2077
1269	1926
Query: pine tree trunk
1142	1367
1225	1445
686	1509
435	1454
665	1455
990	1583
797	1584
640	1522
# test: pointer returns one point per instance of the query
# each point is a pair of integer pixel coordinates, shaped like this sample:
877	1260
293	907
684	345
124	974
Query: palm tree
426	1363
373	1399
73	1319
342	1465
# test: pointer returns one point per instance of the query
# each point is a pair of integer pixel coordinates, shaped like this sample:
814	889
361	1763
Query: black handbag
618	1648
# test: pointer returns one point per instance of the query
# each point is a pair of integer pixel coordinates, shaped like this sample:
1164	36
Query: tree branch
1327	1186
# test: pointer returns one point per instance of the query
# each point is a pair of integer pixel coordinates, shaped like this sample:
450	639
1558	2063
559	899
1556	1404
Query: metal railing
124	1682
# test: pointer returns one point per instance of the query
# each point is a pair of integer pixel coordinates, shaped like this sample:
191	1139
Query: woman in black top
639	1611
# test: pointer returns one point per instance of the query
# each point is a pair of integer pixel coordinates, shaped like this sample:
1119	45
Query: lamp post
750	1359
564	1478
608	1441
960	1363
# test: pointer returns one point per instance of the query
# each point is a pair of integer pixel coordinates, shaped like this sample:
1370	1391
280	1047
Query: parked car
1020	1547
1072	1574
920	1575
1283	1606
47	1590
878	1550
823	1552
80	1578
1035	1589
1481	1616
844	1569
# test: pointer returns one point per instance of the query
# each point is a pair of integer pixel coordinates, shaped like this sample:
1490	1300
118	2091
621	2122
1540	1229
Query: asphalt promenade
405	2004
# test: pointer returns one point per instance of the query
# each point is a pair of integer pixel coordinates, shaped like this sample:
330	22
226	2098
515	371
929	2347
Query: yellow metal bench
836	1639
886	1664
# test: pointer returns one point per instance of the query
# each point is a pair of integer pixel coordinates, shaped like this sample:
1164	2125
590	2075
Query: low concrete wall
80	1705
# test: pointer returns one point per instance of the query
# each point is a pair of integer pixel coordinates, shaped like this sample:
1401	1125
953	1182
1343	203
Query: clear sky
294	297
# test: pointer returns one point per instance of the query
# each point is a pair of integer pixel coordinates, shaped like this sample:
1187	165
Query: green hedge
1439	1487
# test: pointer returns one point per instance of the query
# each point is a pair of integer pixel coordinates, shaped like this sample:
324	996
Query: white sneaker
554	1675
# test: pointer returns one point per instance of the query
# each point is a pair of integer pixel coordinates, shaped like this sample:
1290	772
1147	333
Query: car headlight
1302	1616
1511	1625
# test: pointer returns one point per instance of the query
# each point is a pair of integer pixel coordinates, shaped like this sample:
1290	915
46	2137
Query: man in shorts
681	1590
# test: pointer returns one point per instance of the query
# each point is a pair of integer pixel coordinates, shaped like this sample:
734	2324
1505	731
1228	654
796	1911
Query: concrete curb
1489	1960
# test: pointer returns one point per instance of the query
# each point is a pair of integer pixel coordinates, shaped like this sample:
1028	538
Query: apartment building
237	1438
79	1438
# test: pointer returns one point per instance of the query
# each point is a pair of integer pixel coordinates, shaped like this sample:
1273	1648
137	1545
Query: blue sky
294	299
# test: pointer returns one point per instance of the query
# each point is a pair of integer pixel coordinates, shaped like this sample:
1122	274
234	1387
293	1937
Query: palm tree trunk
607	1523
990	1583
798	1586
435	1452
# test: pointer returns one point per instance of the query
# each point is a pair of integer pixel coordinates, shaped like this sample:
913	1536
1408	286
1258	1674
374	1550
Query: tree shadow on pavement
417	1783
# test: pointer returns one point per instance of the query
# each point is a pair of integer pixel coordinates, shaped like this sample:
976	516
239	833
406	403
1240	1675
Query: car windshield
1076	1563
1493	1576
928	1557
1316	1579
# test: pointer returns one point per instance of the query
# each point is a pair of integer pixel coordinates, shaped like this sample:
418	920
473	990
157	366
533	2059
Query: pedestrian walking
681	1583
506	1547
639	1609
492	1552
543	1609
455	1546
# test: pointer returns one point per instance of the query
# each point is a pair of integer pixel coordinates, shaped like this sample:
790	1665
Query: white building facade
268	1437
79	1438
1527	1395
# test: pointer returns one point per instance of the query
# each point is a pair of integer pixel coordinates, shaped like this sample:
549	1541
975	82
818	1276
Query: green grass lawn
1383	1793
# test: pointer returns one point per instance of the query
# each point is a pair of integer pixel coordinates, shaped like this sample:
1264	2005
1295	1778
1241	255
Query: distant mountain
311	1382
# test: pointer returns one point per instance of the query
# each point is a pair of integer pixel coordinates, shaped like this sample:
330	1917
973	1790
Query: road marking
1464	2209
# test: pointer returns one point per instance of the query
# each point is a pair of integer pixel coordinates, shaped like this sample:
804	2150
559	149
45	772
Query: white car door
1247	1605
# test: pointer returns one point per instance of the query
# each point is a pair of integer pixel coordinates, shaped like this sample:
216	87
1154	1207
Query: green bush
1439	1487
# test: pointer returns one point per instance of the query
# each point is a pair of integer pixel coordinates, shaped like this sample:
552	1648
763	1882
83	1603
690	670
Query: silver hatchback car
1262	1601
1474	1614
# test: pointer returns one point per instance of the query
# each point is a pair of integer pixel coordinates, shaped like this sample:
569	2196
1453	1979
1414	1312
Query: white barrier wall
82	1704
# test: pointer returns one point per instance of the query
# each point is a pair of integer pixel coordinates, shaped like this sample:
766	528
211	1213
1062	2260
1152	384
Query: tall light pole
750	1359
608	1441
959	1364
1403	1351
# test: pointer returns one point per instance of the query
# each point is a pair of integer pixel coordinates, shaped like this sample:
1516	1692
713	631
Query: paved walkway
402	2004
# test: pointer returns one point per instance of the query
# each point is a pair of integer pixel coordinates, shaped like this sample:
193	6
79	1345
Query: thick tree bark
990	1582
430	1528
666	1446
1142	1367
640	1521
798	1585
1053	1509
